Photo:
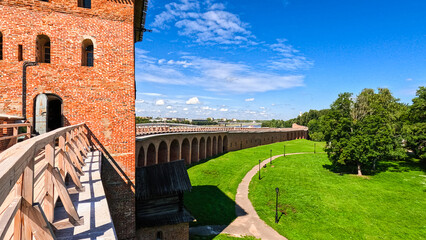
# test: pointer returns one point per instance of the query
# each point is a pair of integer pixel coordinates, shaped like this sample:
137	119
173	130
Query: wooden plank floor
91	204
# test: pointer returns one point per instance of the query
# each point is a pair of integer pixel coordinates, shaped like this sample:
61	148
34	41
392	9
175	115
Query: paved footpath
247	222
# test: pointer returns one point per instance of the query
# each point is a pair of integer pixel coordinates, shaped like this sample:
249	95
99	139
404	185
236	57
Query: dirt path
247	222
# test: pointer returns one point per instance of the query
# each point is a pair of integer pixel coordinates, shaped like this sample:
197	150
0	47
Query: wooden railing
13	139
32	175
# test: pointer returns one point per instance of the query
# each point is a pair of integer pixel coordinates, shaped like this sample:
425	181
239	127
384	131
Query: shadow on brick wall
118	190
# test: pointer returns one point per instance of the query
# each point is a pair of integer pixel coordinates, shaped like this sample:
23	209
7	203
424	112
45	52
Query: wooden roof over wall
161	180
141	7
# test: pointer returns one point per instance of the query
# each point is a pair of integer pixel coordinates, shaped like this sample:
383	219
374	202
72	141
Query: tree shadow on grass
203	160
210	206
408	163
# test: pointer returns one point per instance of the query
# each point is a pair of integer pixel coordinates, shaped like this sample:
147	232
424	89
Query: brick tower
84	72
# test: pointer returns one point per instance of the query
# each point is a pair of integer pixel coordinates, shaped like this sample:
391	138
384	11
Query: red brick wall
170	232
102	96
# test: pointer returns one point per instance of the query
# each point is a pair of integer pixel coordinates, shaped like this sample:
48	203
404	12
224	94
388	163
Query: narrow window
20	57
159	235
43	54
85	3
1	46
87	57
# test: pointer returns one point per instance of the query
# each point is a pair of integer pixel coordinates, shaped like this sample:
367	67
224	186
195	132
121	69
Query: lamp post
315	146
284	150
276	205
259	169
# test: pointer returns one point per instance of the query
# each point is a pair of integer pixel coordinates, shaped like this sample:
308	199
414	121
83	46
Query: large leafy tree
415	125
359	132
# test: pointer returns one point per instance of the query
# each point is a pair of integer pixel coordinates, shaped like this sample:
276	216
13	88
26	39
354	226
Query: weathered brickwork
102	96
168	232
200	145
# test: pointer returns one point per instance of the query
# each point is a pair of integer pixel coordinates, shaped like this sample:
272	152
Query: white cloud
227	76
205	22
153	94
262	107
288	57
409	79
169	107
139	101
193	100
160	102
249	100
185	109
223	109
208	108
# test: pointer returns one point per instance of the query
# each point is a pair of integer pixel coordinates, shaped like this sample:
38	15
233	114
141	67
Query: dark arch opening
194	152
43	49
141	158
174	150
47	113
214	146
150	157
162	152
225	144
202	148
87	57
185	151
219	145
209	147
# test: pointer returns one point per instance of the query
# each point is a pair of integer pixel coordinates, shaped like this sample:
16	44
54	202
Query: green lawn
319	204
215	181
221	237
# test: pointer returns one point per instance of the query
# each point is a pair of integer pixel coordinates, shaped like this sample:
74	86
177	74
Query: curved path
248	222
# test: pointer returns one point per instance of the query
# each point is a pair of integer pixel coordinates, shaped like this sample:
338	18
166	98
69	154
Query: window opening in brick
20	54
87	58
1	46
43	54
159	235
85	3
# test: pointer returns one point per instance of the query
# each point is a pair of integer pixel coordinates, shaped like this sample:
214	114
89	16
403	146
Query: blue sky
275	58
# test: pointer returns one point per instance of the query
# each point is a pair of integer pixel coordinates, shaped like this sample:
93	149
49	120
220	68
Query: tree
362	131
415	125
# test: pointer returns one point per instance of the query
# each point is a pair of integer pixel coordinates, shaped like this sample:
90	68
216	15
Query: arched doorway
174	150
202	148
141	158
219	145
47	113
151	155
214	146
162	152
209	147
185	151
225	144
194	152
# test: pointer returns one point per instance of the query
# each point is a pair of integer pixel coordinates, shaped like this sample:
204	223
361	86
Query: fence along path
32	178
13	139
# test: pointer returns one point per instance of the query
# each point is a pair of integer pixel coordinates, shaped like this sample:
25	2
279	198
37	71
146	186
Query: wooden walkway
32	179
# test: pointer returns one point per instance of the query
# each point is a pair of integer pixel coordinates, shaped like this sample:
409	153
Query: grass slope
319	204
215	181
221	237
